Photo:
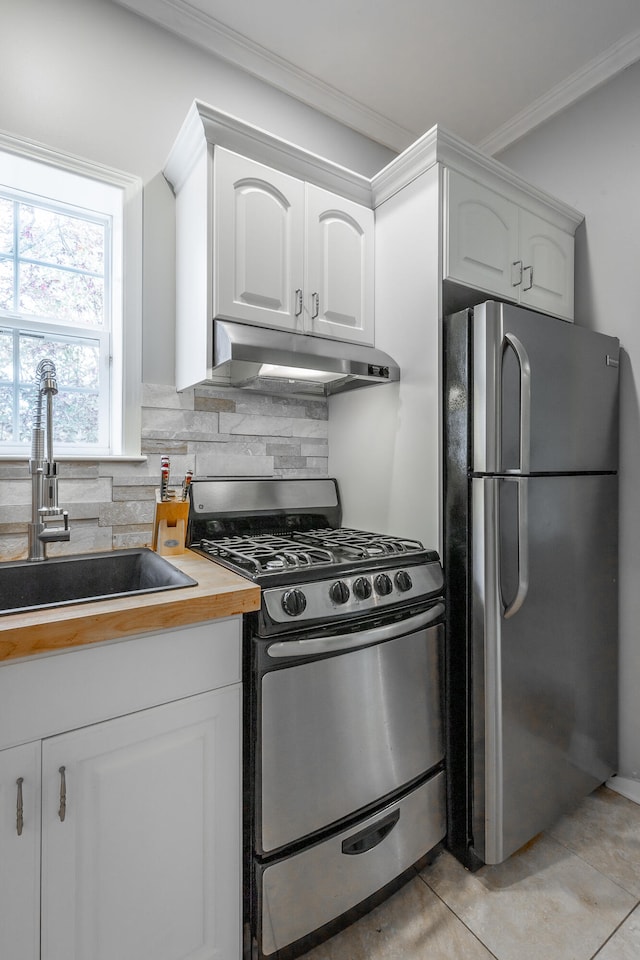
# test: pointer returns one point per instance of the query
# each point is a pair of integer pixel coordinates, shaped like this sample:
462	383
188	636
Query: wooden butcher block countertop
219	593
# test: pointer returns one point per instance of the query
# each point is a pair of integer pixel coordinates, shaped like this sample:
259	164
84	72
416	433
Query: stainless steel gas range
343	744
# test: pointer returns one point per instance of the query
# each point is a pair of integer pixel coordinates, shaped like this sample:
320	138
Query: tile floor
571	894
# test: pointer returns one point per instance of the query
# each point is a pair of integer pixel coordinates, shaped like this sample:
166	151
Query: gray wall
590	157
211	431
92	79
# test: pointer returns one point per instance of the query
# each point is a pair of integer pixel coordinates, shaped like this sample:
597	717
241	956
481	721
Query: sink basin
84	577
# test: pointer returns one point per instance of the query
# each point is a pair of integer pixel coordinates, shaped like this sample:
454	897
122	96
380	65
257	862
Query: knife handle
164	478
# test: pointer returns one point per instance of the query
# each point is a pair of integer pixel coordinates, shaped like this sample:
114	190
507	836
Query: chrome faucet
48	521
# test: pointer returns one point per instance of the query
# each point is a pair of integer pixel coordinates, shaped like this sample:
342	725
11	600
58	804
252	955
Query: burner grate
361	544
267	553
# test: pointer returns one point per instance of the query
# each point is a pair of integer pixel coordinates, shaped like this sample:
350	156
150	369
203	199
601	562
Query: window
66	228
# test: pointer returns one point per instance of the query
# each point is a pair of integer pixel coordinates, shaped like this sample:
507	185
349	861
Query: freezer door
544	393
544	652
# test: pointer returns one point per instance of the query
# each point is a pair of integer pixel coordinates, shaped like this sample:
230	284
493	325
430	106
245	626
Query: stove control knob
339	592
383	584
293	602
403	581
362	588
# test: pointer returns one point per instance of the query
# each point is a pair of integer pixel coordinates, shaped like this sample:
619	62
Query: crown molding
206	125
411	163
579	84
441	146
182	18
40	152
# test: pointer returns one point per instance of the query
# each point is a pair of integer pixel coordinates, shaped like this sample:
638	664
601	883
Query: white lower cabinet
121	840
20	852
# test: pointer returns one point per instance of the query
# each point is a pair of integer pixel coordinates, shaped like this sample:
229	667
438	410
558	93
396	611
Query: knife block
170	526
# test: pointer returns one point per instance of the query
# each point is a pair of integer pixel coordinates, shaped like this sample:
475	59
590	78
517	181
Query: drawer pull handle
19	808
298	307
370	837
315	299
62	811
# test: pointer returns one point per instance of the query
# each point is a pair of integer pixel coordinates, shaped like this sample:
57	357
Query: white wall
90	78
590	157
384	441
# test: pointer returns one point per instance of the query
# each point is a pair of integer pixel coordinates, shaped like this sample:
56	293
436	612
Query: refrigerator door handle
510	340
510	609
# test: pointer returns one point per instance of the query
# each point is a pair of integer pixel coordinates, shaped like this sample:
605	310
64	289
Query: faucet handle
51	533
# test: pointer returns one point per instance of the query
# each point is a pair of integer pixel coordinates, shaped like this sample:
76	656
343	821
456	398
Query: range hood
274	360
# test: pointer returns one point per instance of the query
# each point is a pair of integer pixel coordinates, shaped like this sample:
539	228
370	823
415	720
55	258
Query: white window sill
64	458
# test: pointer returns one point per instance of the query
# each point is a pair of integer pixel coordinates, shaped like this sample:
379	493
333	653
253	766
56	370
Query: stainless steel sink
85	577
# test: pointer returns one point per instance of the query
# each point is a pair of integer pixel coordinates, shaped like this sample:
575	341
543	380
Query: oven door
345	721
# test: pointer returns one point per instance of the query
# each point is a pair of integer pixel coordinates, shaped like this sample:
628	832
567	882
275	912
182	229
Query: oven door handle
312	646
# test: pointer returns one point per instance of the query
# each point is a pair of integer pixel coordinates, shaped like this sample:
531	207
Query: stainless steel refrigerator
530	555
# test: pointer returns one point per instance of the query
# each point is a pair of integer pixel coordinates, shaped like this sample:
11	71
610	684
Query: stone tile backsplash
214	431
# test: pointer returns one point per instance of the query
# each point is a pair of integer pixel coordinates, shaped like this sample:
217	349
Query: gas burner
362	544
285	536
265	553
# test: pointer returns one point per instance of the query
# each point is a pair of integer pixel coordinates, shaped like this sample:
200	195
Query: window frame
126	284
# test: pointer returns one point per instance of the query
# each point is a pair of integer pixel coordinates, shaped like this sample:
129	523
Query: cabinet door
340	262
20	852
481	237
142	862
257	243
547	255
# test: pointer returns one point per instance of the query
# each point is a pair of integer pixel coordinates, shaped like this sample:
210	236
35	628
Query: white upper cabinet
288	254
547	255
339	267
493	244
269	233
258	242
481	236
266	233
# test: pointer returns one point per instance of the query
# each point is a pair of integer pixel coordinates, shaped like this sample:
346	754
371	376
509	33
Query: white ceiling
488	70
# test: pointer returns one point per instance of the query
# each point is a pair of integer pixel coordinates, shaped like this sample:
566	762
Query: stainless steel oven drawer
341	733
305	891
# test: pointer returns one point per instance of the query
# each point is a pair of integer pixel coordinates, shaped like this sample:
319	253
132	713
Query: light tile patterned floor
571	894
